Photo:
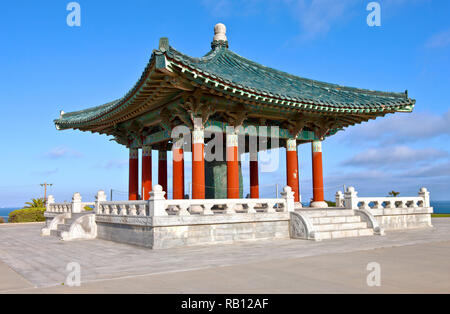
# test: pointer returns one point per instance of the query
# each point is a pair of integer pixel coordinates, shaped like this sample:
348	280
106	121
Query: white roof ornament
61	113
220	31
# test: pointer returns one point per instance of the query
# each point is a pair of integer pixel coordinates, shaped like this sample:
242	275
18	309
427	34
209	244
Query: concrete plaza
414	261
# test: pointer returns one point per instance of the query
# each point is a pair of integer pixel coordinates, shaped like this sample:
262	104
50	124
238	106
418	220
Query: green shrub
331	204
27	215
2	220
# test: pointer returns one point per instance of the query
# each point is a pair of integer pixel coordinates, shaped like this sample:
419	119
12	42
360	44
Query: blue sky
47	66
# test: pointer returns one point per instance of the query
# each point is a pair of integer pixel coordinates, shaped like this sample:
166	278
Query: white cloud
392	156
62	152
116	164
439	40
316	17
400	128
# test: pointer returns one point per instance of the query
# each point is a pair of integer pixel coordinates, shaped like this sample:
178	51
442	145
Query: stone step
335	220
75	216
63	227
56	233
327	235
341	226
315	213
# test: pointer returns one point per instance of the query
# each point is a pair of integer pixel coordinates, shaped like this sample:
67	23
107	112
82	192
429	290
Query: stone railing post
157	202
50	200
339	197
426	197
100	197
288	195
351	198
76	203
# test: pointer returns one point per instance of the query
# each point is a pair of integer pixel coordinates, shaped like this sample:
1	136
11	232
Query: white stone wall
178	231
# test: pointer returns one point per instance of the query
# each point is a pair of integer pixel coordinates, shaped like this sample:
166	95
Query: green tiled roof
231	69
225	71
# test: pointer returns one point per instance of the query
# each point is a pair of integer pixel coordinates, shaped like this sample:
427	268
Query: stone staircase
336	223
67	222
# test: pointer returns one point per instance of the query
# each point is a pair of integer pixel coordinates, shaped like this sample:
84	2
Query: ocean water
4	212
441	207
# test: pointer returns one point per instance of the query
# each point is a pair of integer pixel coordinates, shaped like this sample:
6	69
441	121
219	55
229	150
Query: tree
35	203
394	194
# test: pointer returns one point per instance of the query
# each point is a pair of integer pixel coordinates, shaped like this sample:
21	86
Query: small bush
331	204
2	221
27	215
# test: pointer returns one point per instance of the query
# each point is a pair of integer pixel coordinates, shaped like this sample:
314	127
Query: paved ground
412	261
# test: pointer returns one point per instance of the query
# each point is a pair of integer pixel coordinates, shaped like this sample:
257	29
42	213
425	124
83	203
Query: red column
178	171
232	166
198	164
292	168
254	184
318	195
146	172
133	177
162	170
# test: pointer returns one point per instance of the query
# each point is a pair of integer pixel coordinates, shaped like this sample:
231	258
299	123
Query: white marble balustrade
351	200
159	206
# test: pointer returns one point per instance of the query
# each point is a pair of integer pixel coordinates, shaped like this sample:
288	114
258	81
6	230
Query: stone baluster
377	205
132	210
184	210
207	210
289	197
251	208
122	210
142	210
230	208
401	204
423	193
351	198
157	202
364	205
270	207
49	204
339	198
114	210
390	204
100	197
76	203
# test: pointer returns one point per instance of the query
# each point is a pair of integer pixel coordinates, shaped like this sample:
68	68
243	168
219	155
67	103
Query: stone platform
160	223
30	263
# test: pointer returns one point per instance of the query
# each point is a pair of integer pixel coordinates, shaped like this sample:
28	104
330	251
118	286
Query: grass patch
440	215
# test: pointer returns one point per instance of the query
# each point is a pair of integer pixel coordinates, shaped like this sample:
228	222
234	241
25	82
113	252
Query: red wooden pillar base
232	166
254	181
178	172
198	164
162	170
133	176
292	168
318	193
146	172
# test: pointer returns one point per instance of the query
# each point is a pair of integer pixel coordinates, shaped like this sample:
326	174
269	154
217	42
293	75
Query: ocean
440	207
4	212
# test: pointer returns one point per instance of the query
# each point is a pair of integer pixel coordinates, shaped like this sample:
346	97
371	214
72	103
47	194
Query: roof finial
220	37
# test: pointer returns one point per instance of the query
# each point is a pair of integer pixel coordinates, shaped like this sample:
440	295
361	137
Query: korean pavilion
224	89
